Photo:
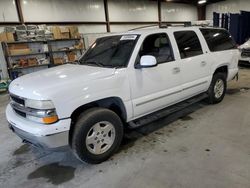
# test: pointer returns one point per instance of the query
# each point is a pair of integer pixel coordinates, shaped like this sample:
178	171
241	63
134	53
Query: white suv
121	78
245	52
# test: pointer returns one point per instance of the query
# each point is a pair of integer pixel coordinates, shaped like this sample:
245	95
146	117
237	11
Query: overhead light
202	2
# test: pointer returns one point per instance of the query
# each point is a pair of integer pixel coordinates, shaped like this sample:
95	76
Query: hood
41	84
246	45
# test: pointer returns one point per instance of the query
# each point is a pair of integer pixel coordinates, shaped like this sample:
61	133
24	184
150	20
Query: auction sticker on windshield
128	37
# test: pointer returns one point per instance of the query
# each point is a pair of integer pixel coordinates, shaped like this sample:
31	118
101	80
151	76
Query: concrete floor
202	146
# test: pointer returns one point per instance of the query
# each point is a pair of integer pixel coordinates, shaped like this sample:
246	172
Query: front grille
17	99
20	113
245	53
16	103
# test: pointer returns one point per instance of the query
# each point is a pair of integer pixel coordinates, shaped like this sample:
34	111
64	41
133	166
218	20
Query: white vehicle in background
245	52
119	80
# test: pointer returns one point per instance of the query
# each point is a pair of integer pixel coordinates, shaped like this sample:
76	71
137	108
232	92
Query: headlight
39	104
41	111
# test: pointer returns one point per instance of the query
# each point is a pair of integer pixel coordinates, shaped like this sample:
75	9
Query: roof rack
144	27
164	25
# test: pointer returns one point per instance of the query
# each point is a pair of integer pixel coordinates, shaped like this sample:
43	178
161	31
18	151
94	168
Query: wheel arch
222	69
112	103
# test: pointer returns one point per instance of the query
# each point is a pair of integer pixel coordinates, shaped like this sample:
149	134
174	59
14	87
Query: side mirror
147	61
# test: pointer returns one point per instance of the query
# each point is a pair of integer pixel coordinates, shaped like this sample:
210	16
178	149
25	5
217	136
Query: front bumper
245	59
53	136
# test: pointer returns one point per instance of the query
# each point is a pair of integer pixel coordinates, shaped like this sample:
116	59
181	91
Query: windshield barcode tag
128	37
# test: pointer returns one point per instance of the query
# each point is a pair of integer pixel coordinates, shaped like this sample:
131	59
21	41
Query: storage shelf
40	41
59	51
57	40
36	45
28	67
31	41
30	54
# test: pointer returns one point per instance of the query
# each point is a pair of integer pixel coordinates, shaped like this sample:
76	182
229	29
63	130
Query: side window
188	43
157	45
218	39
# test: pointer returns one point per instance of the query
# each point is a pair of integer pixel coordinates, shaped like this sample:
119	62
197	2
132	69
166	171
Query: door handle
203	63
176	70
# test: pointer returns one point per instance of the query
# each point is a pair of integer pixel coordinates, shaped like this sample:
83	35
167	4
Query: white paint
178	12
8	11
229	6
127	10
63	10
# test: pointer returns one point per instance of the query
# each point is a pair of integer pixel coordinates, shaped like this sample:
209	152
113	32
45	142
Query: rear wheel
97	135
217	89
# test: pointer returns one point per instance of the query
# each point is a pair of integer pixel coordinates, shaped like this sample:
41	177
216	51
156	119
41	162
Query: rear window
188	44
218	39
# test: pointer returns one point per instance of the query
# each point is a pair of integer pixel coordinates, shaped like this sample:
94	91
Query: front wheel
217	89
97	135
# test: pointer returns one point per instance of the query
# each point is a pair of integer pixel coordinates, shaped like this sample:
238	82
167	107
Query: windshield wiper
94	63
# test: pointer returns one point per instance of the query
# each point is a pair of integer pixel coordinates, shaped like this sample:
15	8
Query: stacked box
74	33
65	33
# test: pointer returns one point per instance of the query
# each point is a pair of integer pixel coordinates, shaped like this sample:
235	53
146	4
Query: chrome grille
17	99
20	113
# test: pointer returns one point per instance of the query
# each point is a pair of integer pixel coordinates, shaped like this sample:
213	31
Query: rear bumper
53	136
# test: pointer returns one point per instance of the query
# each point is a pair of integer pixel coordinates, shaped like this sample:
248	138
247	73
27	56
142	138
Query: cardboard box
74	33
56	32
71	56
23	63
6	37
10	37
65	33
58	60
20	51
79	46
32	61
18	46
3	37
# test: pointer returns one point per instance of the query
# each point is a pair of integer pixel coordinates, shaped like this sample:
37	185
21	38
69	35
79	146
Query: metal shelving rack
49	54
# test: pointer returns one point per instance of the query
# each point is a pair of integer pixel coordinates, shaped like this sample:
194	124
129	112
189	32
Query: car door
194	62
156	87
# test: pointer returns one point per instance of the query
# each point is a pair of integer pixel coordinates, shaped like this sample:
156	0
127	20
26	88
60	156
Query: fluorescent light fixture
202	2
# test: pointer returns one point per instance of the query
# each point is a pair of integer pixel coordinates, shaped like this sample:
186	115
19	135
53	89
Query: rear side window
218	39
188	43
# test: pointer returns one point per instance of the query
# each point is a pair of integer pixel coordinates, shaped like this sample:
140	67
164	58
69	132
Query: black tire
212	99
85	123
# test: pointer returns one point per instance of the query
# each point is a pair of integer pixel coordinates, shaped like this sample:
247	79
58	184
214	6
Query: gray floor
202	146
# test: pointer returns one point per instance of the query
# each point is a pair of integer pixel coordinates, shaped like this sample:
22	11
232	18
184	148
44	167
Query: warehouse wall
141	10
232	6
8	11
178	12
93	11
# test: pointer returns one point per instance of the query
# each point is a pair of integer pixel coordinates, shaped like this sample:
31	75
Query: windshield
112	51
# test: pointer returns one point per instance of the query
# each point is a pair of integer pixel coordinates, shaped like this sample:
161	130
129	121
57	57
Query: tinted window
112	51
218	39
157	45
188	43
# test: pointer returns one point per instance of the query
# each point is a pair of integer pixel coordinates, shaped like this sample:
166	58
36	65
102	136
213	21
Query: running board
166	111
